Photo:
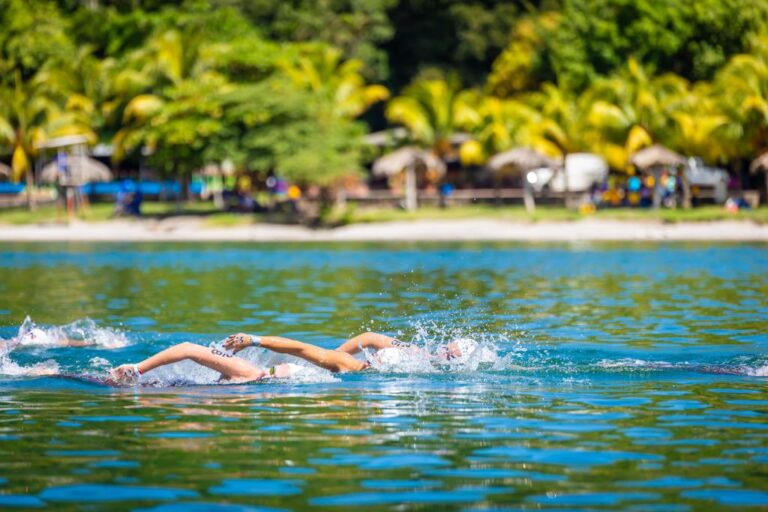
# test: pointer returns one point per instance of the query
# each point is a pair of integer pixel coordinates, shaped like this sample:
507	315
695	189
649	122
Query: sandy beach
194	229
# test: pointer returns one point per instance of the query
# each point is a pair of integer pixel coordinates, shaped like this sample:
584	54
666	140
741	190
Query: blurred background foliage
291	85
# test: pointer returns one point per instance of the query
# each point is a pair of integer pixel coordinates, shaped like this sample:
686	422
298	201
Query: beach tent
582	170
82	170
656	158
521	160
412	161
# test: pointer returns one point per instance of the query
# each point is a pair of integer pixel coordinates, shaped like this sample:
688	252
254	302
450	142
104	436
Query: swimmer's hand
125	375
237	342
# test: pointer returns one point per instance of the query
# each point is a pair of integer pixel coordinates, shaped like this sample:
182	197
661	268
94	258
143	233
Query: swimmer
36	337
236	369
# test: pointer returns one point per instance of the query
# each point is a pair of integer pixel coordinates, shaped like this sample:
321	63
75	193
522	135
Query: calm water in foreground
630	377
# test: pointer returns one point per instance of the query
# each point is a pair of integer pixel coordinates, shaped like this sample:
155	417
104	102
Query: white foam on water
13	369
99	363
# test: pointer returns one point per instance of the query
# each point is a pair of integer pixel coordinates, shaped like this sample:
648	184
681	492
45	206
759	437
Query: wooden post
530	204
686	187
411	199
656	188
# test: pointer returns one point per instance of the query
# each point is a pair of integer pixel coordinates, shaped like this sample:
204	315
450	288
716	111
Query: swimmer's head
34	336
459	349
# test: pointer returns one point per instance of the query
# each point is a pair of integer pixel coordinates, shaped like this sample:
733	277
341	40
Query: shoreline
193	230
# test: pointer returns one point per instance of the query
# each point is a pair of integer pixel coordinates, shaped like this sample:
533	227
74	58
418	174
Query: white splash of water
80	332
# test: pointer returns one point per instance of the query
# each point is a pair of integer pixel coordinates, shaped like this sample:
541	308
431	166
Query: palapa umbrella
82	170
409	156
761	164
520	160
657	156
5	171
409	159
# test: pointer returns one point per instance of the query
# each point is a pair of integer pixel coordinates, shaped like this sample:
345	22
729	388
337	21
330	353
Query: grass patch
557	214
214	218
49	213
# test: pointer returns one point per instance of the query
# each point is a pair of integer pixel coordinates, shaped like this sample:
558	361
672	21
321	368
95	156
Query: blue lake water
613	377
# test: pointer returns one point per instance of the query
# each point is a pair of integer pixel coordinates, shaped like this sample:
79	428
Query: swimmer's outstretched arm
331	360
372	340
229	367
69	342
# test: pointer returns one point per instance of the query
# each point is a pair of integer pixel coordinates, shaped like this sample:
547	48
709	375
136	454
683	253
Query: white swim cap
35	336
466	346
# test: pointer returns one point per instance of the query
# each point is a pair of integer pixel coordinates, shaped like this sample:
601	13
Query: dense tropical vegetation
292	86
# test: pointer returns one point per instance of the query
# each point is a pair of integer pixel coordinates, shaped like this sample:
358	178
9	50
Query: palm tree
432	110
699	125
560	127
30	113
323	72
741	89
174	107
628	111
502	124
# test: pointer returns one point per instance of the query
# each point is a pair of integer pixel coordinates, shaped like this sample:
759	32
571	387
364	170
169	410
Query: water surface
623	377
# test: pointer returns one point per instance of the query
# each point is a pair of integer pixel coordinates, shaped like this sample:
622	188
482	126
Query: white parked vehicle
700	175
582	170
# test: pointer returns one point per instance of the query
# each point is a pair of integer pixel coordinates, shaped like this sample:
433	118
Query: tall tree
178	113
357	28
30	114
322	71
630	110
432	110
691	39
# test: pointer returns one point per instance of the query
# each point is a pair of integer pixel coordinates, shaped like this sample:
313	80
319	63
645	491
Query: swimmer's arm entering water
331	360
370	340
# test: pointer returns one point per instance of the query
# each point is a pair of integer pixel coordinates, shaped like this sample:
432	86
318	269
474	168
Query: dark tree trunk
31	202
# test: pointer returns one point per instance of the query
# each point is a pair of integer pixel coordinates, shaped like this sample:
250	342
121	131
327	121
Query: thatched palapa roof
657	156
82	170
397	161
520	160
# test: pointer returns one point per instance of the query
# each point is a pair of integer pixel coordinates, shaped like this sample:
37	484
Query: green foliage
449	35
357	28
277	86
691	39
432	110
33	34
275	126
